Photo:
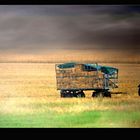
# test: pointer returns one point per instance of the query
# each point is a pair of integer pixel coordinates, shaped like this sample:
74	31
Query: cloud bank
31	29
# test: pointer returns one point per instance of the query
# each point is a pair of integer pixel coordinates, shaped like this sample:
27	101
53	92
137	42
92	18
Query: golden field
22	84
30	88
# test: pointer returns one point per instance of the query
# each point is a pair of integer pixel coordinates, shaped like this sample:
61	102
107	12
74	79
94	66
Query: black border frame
68	133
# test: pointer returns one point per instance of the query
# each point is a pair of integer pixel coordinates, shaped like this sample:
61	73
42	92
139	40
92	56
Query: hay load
77	76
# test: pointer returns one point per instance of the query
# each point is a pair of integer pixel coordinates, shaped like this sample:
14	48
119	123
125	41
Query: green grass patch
88	119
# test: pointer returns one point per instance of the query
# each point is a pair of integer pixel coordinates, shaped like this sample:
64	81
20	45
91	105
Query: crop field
28	98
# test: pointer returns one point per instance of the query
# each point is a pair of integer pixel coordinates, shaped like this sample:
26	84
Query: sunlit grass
28	91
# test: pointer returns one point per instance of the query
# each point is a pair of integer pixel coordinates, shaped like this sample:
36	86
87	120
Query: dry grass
27	88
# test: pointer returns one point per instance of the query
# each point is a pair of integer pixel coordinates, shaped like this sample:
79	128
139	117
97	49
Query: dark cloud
61	10
33	28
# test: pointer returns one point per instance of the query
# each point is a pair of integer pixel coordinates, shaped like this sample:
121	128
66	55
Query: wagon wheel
62	94
107	94
74	94
94	94
98	94
69	94
81	94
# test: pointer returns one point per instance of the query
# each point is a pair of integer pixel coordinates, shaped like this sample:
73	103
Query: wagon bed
77	76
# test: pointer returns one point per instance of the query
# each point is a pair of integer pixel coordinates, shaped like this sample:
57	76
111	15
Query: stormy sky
36	28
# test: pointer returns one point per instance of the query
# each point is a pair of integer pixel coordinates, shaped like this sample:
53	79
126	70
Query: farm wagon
73	79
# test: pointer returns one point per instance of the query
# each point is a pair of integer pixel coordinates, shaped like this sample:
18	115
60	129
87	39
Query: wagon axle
70	93
80	93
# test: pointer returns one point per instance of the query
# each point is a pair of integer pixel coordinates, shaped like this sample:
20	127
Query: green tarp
109	70
92	67
67	65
